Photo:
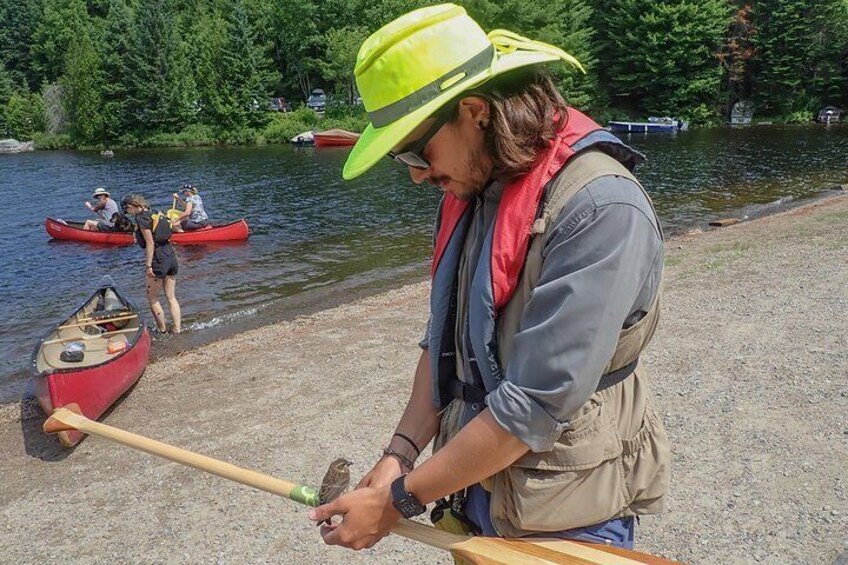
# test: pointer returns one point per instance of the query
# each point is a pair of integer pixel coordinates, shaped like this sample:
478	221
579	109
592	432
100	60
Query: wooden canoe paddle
474	550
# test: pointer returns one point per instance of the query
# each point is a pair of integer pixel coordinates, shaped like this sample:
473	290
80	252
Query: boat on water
742	113
305	139
335	138
72	231
829	115
653	125
92	357
15	146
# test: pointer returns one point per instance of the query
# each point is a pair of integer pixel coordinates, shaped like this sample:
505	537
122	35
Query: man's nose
418	175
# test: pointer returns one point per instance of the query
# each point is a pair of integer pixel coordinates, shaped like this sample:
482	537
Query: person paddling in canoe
104	207
194	215
545	290
153	234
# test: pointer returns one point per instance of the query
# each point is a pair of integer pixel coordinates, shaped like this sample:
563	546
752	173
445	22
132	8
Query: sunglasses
410	155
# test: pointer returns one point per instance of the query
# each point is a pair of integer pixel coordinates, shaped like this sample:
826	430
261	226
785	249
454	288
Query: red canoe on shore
72	231
92	357
334	138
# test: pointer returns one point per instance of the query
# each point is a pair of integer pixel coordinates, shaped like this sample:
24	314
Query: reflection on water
313	234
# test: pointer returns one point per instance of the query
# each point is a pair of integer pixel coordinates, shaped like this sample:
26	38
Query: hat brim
375	143
100	194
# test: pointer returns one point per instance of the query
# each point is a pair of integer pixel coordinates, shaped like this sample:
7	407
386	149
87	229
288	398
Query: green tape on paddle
305	495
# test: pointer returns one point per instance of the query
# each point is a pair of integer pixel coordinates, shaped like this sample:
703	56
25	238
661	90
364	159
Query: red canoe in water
92	357
334	137
72	231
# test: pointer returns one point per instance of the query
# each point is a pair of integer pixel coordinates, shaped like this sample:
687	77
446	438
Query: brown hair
526	111
136	200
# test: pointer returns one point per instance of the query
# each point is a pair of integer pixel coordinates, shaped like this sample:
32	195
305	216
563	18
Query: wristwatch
405	502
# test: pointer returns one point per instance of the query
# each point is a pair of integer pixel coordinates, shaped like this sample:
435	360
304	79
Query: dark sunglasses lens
411	159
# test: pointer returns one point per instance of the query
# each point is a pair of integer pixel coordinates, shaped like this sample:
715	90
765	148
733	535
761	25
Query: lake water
315	239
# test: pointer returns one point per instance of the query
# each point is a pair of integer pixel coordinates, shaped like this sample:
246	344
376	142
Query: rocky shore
750	367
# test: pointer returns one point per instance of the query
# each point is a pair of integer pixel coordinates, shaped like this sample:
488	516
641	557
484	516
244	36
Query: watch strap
404	501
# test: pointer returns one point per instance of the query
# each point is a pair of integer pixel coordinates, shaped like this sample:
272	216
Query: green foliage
283	127
802	62
53	141
659	57
564	23
192	136
23	116
162	94
117	45
6	86
157	72
83	86
18	21
341	47
61	23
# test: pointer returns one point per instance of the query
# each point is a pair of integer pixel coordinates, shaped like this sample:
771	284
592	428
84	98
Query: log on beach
748	367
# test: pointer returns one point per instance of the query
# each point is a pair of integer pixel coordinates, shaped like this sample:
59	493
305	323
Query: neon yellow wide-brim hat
416	64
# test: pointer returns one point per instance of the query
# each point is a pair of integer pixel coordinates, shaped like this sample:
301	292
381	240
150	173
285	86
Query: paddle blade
64	419
524	551
495	551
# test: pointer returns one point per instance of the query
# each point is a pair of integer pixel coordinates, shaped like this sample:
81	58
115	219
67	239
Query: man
545	289
104	207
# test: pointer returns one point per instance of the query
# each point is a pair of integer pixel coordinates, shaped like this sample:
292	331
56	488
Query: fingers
325	512
365	482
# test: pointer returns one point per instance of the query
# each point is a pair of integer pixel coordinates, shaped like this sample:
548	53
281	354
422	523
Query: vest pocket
579	482
645	460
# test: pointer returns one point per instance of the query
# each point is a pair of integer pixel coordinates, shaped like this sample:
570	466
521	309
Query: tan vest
613	461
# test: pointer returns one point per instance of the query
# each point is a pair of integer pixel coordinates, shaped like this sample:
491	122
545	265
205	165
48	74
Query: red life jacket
517	209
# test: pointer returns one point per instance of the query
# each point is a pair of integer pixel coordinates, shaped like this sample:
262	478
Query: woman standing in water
153	234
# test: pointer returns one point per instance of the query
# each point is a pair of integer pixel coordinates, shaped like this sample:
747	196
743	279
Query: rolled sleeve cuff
522	416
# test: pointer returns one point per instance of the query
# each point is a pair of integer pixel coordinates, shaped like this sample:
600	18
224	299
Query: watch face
405	502
409	507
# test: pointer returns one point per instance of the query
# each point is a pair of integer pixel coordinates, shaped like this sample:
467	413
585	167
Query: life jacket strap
466	391
475	394
614	377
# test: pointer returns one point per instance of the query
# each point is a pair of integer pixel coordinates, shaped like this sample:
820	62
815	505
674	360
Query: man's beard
476	175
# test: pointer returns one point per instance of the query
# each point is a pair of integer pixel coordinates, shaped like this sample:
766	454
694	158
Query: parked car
317	100
279	105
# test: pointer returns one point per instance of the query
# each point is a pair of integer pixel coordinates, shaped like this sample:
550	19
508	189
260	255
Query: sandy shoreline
750	365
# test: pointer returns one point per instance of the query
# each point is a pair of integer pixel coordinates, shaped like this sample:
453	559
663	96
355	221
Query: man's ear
474	109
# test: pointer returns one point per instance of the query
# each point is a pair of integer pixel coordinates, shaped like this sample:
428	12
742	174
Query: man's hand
88	204
367	517
383	473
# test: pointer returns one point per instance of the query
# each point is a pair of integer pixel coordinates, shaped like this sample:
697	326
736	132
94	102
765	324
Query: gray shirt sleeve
602	265
425	341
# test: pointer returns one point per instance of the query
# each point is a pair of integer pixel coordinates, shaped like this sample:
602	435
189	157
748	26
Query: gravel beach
750	368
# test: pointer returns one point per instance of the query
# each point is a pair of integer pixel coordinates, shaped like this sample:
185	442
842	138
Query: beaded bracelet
404	460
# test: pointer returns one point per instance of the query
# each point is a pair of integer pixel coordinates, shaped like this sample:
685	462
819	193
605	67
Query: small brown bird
335	483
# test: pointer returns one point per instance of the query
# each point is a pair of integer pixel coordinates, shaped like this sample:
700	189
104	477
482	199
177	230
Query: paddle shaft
93	321
475	550
80	338
301	494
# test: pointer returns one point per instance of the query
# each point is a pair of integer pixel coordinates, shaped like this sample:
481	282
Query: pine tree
83	86
18	22
161	94
661	57
563	23
117	45
244	68
58	30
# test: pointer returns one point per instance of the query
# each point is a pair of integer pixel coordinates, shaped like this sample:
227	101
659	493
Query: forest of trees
158	72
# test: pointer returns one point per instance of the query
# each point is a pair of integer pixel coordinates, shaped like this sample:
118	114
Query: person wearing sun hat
545	290
194	216
104	207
